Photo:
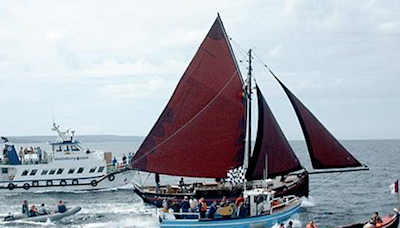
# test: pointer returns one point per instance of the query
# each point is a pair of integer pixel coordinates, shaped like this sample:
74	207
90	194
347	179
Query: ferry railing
283	201
3	162
113	168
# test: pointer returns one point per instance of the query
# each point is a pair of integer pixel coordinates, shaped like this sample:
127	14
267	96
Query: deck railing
283	201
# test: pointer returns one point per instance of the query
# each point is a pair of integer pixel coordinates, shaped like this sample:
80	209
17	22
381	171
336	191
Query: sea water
335	199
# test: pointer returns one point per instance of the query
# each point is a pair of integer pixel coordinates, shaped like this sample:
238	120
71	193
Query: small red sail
270	143
326	152
201	131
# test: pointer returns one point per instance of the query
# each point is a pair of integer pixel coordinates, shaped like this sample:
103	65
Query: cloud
93	55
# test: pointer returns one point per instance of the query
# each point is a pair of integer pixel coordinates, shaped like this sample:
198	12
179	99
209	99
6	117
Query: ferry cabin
69	164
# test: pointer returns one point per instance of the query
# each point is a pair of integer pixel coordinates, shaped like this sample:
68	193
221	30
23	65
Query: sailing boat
202	131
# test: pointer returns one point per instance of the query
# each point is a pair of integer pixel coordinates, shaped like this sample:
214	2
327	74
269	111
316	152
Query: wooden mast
248	151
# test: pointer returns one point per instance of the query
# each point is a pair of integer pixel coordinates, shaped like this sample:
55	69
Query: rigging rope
146	179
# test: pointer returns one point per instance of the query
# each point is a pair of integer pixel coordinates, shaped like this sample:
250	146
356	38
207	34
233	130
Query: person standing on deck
21	154
202	207
193	204
213	209
25	208
124	159
185	206
176	208
130	157
238	200
39	153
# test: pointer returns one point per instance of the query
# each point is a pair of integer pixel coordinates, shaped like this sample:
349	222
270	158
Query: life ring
11	186
75	182
26	186
94	183
49	183
63	183
35	184
111	177
275	203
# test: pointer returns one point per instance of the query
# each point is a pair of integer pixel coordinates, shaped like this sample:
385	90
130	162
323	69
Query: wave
308	202
295	220
28	223
122	223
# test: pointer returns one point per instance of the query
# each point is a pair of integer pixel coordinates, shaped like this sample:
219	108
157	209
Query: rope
146	179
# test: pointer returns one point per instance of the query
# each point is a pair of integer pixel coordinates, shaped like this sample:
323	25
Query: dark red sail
325	151
201	131
270	142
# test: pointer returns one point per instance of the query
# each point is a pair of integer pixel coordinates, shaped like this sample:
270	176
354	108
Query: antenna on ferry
52	114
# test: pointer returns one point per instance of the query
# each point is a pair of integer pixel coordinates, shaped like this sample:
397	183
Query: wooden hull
299	188
390	221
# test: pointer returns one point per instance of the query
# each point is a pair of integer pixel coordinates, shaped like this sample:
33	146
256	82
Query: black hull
299	188
392	223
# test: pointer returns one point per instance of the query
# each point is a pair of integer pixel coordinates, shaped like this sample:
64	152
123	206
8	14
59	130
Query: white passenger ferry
67	167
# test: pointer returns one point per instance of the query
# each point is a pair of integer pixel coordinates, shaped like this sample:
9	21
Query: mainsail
326	152
271	146
201	131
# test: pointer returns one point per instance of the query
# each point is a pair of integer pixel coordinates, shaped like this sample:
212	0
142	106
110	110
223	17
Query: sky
110	67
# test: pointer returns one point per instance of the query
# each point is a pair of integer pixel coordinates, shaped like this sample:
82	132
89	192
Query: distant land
82	138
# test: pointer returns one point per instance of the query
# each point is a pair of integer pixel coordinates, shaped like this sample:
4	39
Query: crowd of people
224	209
42	155
33	211
28	150
125	161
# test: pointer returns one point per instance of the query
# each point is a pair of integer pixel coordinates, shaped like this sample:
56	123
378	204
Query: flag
394	188
236	175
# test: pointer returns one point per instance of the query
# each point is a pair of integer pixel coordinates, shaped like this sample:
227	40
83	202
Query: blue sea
335	199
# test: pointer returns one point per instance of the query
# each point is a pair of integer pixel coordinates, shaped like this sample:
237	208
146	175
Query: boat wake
27	223
119	209
123	188
295	220
308	202
144	221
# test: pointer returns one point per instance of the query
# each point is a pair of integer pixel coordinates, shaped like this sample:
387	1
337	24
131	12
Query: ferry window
101	169
74	148
67	149
71	171
60	171
52	171
25	172
33	172
80	170
44	172
4	170
92	170
59	149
